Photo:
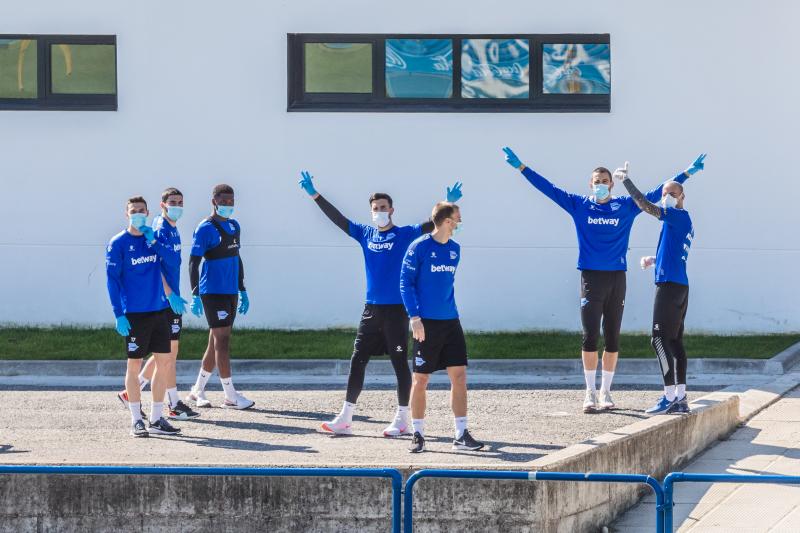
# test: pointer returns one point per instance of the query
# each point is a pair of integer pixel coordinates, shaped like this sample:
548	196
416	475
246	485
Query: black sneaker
418	444
162	427
466	442
680	407
182	412
138	429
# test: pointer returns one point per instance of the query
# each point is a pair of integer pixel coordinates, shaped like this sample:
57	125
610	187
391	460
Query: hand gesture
698	165
454	194
306	184
621	173
511	158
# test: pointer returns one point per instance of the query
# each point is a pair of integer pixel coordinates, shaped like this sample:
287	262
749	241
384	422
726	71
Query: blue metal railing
531	476
391	473
681	477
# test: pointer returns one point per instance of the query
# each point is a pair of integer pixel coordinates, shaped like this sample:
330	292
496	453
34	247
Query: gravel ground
519	425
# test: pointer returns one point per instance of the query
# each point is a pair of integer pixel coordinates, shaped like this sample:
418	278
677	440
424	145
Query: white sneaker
606	402
399	426
240	403
199	398
590	402
338	426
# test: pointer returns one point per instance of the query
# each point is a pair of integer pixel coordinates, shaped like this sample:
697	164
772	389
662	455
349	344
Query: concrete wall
202	97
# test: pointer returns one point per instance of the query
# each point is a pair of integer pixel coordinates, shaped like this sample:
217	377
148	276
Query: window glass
419	68
338	68
495	68
576	69
18	68
83	68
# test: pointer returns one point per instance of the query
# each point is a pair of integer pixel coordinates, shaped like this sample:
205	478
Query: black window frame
46	99
377	101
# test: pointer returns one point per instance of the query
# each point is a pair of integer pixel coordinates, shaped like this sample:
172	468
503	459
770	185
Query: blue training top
133	272
677	234
217	276
427	278
383	257
168	235
603	229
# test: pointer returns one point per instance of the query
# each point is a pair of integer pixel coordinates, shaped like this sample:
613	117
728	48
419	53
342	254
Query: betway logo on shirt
603	221
380	246
443	268
143	260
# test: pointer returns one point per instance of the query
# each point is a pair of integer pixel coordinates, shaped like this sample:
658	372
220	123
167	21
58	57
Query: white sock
403	411
143	382
172	397
605	383
202	379
590	376
136	411
158	411
419	425
461	425
230	391
669	392
346	413
680	390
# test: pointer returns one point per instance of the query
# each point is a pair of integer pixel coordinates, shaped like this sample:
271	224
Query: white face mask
457	229
669	201
380	218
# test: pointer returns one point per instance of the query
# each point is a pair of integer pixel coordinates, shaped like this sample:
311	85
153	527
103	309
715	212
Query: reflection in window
18	70
83	68
576	68
495	68
338	68
419	68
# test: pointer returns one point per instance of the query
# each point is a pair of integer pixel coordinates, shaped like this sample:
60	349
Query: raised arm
335	216
559	196
641	200
697	166
454	194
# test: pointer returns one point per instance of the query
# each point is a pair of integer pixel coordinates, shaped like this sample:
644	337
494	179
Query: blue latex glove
697	166
511	158
454	194
244	302
123	326
177	303
148	233
306	184
197	306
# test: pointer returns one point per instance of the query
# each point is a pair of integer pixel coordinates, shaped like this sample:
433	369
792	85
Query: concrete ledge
653	446
381	366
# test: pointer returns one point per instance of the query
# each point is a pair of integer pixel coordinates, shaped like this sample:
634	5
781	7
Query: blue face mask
457	229
225	211
174	212
138	220
600	191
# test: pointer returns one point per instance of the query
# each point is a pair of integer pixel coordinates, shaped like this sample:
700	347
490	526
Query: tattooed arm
638	197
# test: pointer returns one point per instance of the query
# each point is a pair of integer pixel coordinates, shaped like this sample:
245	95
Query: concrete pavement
768	444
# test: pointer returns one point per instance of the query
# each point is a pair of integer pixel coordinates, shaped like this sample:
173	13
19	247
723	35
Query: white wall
202	97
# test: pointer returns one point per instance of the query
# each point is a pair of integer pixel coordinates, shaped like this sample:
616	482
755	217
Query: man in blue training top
135	288
383	328
166	230
217	290
603	224
672	289
427	287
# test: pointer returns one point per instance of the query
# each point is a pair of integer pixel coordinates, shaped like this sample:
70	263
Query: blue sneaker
679	407
661	407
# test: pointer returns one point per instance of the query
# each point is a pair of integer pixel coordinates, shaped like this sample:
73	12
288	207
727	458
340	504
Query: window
58	72
449	73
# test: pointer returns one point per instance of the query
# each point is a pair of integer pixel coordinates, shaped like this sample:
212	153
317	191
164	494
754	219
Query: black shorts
383	330
669	310
176	325
220	309
149	334
444	346
602	301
